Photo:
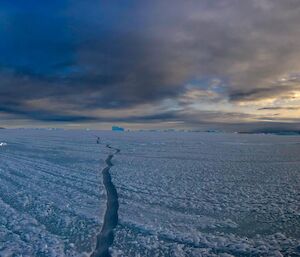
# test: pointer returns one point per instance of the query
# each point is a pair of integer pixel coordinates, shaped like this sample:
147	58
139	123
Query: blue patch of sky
209	82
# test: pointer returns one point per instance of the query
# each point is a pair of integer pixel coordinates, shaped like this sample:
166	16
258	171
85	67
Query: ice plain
51	194
180	194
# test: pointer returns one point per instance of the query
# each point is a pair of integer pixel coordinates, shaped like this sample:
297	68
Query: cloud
112	55
280	108
256	94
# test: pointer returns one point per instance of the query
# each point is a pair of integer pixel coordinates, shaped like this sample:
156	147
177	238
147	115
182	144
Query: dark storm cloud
93	54
262	93
46	116
279	108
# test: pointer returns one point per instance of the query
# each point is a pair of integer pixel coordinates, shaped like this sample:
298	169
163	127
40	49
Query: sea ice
180	194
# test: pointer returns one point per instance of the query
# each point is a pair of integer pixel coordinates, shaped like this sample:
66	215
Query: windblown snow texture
179	194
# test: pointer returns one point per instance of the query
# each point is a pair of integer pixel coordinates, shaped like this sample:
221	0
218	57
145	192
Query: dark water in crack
106	236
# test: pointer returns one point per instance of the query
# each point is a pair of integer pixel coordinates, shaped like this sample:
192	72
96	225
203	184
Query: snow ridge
105	237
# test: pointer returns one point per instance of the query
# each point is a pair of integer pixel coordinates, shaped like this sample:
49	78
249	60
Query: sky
209	64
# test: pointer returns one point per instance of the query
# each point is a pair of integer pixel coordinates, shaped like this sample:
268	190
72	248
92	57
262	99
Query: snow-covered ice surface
202	194
180	194
51	194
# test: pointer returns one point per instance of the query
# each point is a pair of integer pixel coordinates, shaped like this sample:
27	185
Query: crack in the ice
105	237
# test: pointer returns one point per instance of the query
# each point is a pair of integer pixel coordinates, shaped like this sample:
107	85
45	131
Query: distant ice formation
116	128
3	144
